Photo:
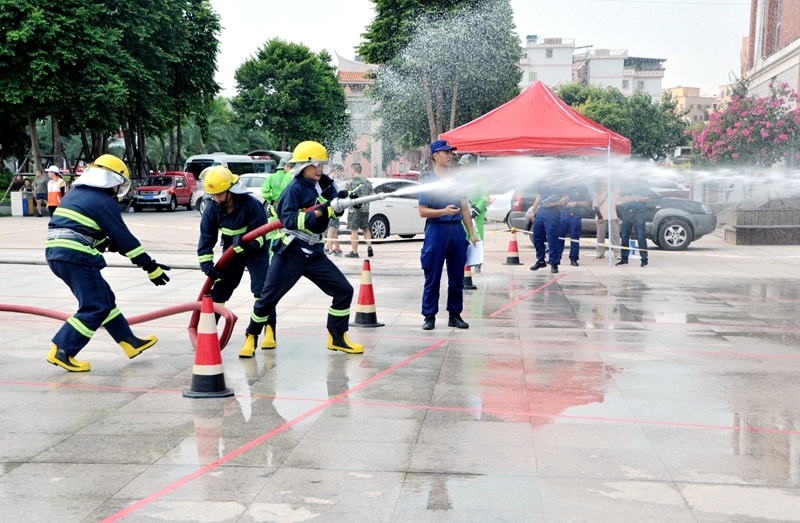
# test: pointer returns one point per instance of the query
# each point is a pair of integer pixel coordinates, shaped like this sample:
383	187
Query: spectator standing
40	192
600	205
546	216
634	196
445	240
56	188
332	240
26	186
358	219
571	216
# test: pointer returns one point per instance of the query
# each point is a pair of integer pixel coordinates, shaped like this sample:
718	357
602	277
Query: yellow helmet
112	163
309	152
218	179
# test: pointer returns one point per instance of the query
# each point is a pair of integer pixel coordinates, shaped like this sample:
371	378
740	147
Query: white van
236	163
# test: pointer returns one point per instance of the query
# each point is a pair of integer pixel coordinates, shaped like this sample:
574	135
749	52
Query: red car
165	191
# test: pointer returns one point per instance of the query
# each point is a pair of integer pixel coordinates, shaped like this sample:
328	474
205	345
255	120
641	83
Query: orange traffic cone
365	308
208	378
468	285
513	250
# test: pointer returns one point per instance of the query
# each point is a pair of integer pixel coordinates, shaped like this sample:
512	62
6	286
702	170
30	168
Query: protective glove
215	275
155	271
353	196
343	194
106	245
241	246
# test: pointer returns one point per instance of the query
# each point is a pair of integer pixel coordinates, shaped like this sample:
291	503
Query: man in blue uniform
86	223
445	240
547	221
234	213
579	200
298	251
634	196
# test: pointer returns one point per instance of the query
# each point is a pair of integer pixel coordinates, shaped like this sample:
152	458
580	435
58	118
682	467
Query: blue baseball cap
441	145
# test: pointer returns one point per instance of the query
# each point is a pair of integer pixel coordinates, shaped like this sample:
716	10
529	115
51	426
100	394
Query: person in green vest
477	198
271	191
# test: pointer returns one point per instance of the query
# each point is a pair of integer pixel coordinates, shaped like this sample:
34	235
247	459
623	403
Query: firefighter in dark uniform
298	251
86	223
234	213
547	221
579	199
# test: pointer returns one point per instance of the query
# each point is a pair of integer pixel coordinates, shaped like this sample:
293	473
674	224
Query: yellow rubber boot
269	339
340	341
248	350
134	346
60	358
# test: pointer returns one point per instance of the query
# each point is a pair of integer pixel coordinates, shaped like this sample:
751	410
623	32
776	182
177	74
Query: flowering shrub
757	131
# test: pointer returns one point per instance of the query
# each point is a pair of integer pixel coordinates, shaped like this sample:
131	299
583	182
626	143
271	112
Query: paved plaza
665	394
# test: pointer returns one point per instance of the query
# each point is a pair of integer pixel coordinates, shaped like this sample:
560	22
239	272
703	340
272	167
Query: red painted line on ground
186	479
534	291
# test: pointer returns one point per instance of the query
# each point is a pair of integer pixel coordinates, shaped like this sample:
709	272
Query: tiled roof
353	76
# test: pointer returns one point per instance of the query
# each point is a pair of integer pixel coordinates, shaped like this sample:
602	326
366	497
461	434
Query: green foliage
457	65
395	23
654	128
293	94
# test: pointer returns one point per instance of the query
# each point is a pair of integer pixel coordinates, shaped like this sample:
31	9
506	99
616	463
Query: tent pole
608	199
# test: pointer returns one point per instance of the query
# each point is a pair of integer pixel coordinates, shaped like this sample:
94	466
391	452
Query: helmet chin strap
223	203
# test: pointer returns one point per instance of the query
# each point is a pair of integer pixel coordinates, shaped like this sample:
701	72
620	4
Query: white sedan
396	214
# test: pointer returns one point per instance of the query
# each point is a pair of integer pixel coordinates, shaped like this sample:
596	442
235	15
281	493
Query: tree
750	130
654	128
457	65
394	24
292	93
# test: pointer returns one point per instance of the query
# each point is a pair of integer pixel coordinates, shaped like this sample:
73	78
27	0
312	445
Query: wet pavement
602	394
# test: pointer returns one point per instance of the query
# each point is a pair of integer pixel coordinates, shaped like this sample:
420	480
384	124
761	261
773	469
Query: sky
700	39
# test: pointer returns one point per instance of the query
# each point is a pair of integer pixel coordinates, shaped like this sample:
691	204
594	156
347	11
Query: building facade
771	51
698	105
548	60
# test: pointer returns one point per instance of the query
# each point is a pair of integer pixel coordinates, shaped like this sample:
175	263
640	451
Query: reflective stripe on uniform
206	258
76	217
337	312
138	251
260	241
156	273
301	220
233	232
113	314
238	250
80	327
71	244
258	319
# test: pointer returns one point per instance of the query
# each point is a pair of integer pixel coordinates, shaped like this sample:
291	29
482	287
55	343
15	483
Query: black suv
672	223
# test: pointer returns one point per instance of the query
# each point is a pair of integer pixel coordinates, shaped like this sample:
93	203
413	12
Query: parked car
672	223
253	182
396	214
165	191
499	207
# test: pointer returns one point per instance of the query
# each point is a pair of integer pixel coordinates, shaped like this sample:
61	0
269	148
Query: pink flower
764	133
735	155
746	132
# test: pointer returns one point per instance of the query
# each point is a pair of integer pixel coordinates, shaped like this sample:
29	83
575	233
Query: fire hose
337	204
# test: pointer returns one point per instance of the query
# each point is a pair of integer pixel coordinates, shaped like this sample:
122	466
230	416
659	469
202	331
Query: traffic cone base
366	316
468	284
208	377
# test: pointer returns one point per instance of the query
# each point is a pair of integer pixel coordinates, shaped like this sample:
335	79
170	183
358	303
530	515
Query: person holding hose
298	251
234	213
86	222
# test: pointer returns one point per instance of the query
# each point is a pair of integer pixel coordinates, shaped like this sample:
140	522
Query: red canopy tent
535	122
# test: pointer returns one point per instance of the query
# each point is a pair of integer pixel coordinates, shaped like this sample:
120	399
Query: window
640	84
625	84
532	77
699	107
181	183
548	53
694	118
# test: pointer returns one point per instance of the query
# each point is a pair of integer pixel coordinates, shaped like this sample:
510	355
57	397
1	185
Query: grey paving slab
612	395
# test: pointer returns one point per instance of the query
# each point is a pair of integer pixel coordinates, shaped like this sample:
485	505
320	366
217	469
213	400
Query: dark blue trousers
571	226
547	226
633	219
257	265
445	242
286	269
96	307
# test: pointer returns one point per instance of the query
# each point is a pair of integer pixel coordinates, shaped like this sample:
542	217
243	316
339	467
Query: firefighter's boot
62	359
134	346
269	338
248	350
340	341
